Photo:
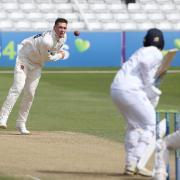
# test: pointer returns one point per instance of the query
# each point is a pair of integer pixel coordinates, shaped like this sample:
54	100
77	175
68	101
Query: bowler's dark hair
154	37
60	20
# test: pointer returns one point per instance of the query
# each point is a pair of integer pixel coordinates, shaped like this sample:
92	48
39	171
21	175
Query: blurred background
111	30
86	15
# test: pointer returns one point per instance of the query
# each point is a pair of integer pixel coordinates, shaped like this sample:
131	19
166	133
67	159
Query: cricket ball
76	33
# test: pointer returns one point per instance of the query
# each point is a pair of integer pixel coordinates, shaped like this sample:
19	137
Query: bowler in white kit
136	97
33	52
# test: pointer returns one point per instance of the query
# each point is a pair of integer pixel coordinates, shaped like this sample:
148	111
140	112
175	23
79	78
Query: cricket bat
166	62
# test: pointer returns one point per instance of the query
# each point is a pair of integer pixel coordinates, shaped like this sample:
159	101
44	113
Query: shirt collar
55	36
60	40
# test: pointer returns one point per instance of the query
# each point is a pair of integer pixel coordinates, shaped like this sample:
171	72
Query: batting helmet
154	37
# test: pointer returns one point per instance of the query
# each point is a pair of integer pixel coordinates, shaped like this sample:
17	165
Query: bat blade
166	62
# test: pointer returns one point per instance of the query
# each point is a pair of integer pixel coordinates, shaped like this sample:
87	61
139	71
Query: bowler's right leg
14	92
30	86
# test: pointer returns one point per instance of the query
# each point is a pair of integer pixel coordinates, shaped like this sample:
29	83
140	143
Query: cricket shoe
3	125
133	170
21	127
160	175
144	172
130	170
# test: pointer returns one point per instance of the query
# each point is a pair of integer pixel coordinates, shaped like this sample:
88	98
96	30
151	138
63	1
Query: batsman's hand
152	92
154	101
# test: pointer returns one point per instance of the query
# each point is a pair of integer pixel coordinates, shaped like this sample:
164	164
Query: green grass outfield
81	102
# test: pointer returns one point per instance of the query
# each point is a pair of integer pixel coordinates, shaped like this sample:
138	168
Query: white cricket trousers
140	117
26	78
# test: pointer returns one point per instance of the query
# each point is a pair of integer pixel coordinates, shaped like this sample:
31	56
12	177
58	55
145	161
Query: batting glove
152	92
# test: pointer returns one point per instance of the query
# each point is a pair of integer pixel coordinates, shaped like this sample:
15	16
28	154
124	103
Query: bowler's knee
29	93
16	89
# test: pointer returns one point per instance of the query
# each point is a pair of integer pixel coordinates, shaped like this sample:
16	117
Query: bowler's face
60	29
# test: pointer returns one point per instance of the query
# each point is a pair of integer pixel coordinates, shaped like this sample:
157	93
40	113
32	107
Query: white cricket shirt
36	48
139	71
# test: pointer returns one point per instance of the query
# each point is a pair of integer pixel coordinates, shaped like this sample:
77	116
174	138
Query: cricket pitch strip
61	155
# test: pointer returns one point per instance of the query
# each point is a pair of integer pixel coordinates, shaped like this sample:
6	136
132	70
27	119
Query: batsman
33	52
135	95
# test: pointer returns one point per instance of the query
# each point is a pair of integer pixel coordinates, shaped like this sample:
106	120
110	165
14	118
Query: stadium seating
105	15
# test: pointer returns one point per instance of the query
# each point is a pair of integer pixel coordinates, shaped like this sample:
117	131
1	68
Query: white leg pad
151	147
161	159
